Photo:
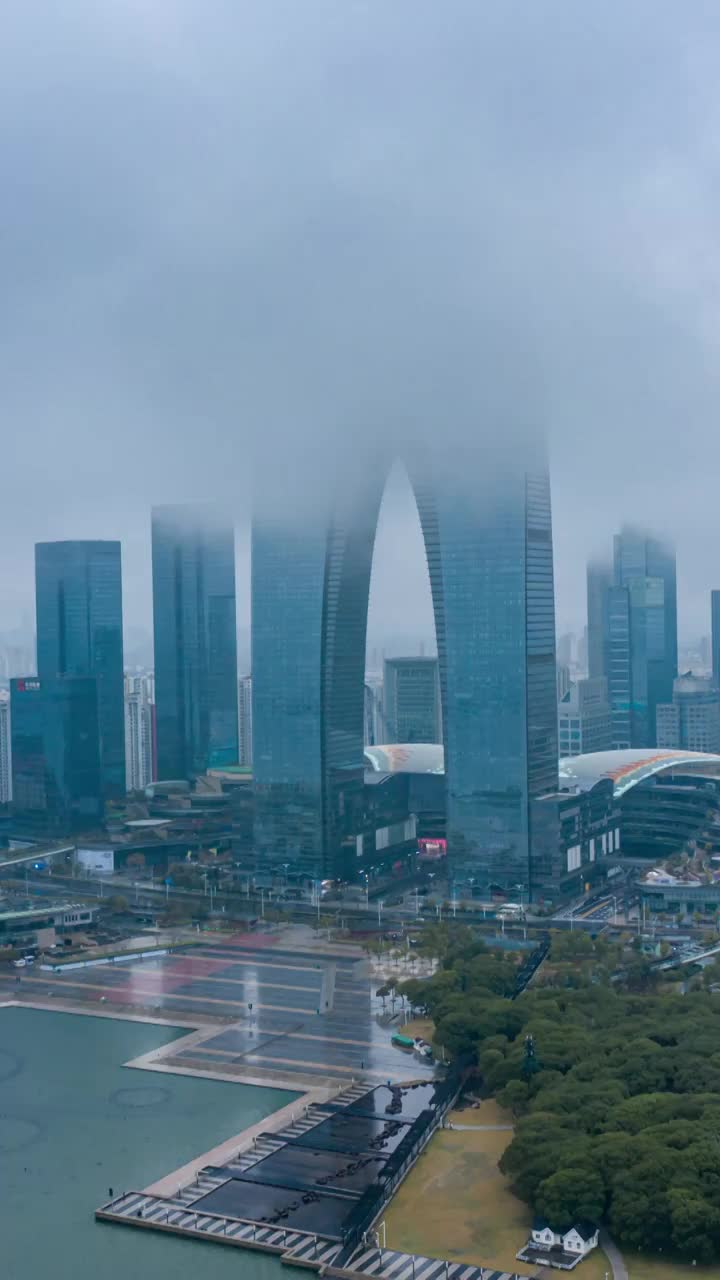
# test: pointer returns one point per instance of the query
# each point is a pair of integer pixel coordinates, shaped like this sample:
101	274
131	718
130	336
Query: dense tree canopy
620	1120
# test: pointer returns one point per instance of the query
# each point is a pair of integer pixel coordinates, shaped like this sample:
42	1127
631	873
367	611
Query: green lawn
456	1204
650	1269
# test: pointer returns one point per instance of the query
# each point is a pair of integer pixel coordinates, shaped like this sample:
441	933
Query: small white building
563	1249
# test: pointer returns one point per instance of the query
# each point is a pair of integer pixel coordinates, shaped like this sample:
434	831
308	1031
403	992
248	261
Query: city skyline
398	561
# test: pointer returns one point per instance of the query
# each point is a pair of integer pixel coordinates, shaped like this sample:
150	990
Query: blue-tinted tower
56	766
193	570
632	633
78	598
489	548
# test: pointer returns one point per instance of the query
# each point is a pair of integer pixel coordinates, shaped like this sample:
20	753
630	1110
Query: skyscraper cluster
489	553
81	734
84	732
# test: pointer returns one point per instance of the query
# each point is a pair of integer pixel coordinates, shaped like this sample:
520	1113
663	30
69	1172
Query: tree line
614	1085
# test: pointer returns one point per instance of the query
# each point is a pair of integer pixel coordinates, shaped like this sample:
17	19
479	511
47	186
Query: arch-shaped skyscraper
488	541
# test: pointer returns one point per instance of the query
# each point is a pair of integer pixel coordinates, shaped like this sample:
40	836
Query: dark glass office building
599	582
632	633
193	569
310	588
489	551
56	766
78	599
411	700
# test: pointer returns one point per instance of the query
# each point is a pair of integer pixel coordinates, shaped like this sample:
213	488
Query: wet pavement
272	995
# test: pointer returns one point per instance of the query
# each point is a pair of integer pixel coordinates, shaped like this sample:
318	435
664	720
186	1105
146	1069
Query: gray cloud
250	234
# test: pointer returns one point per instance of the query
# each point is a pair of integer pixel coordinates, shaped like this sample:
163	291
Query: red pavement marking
195	966
154	983
121	994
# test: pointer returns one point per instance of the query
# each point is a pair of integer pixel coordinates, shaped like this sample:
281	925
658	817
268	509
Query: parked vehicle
19	963
403	1042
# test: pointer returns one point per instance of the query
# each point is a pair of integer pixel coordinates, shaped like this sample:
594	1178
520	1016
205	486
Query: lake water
74	1122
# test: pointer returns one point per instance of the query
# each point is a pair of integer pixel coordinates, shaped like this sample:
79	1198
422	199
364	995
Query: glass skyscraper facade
489	552
56	765
193	570
599	582
78	597
411	700
715	634
632	633
491	575
310	587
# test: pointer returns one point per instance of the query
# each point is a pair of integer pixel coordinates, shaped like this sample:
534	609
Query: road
614	1256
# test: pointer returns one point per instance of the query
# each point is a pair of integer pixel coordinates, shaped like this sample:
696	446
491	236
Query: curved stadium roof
627	768
406	757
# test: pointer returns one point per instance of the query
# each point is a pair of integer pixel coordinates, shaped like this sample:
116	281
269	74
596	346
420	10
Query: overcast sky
234	228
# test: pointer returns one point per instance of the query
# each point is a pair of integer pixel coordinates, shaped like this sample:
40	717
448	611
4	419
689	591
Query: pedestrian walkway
298	1247
136	1207
386	1264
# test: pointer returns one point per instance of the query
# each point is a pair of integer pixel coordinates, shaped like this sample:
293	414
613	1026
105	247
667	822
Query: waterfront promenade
254	1010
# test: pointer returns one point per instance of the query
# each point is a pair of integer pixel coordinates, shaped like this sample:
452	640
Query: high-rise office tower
374	718
599	581
632	633
566	649
563	680
139	712
715	634
78	601
582	650
56	762
584	718
411	700
692	720
5	753
245	753
193	568
487	532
